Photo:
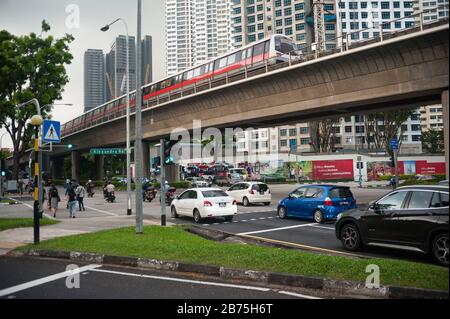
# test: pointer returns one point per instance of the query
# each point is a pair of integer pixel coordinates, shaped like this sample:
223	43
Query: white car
250	193
203	203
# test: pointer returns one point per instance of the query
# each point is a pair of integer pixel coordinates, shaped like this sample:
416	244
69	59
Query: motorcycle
110	197
149	194
170	195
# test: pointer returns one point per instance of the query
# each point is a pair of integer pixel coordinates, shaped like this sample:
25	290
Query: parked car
119	179
203	203
241	171
250	193
443	183
413	218
198	182
317	202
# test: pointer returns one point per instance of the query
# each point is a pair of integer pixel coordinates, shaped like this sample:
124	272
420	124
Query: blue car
317	202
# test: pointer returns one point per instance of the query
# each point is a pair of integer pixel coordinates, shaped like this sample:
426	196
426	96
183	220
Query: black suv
412	218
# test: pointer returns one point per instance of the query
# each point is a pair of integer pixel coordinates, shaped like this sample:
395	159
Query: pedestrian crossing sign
52	132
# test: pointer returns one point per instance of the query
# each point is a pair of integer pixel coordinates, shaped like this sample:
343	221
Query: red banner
329	170
425	168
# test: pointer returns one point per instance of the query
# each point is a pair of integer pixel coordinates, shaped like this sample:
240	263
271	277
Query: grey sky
24	16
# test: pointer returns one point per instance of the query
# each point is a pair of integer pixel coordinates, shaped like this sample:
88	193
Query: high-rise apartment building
147	56
432	117
94	79
253	20
196	31
432	9
369	16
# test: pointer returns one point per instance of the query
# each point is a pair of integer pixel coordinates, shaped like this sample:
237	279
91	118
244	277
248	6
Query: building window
329	7
288	31
287	2
288	21
283	143
348	129
260	36
277	3
287	11
305	141
251	19
363	5
364	15
330	27
299	27
300	37
299	16
260	17
278	13
415	127
250	10
283	132
409	24
353	15
360	140
336	130
299	6
359	129
292	132
404	127
415	117
353	5
279	23
384	5
385	15
396	4
261	26
304	130
398	24
397	14
337	140
416	138
251	38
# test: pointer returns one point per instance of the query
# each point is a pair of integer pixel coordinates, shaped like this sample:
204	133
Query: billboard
377	169
330	170
425	168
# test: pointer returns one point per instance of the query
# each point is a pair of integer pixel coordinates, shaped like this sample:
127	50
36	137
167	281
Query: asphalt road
31	278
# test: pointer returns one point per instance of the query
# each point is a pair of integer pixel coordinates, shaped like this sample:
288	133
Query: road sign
394	144
108	151
52	132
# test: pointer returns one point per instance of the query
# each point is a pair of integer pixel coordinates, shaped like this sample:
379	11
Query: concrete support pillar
146	159
446	141
99	167
57	168
172	173
75	163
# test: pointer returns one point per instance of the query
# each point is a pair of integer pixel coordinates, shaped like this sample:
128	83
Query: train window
259	50
238	56
249	54
197	72
223	62
231	59
211	67
284	45
266	49
217	65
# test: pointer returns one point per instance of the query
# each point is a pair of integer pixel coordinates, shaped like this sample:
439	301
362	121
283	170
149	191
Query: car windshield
214	193
340	192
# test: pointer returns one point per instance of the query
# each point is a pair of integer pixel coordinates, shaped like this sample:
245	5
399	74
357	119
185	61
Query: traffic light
3	173
168	159
70	146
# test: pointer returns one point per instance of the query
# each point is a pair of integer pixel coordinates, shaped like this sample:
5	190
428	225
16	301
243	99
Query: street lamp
104	29
36	121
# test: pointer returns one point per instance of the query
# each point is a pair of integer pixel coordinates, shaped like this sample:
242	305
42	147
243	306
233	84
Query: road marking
306	246
262	218
101	211
38	282
273	229
323	227
244	220
297	295
29	206
199	282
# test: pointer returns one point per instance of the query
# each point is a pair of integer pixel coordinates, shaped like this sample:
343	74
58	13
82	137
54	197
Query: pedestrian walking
53	199
71	201
81	193
300	174
67	184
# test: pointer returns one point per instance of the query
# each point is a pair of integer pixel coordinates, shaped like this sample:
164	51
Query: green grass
7	201
175	244
10	223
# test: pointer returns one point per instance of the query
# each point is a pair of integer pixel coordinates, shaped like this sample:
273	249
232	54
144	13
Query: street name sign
108	151
394	144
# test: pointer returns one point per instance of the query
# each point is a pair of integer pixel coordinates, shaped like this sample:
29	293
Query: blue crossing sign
52	132
394	144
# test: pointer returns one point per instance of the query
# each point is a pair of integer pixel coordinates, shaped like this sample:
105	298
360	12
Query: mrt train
274	49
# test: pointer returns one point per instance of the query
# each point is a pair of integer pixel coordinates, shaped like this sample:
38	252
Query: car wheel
229	218
318	216
282	212
439	249
197	217
174	212
350	237
245	202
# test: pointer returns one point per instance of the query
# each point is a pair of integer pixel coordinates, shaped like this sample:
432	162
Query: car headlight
339	216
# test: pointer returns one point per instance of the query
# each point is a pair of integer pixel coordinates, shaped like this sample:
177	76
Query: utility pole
138	142
163	186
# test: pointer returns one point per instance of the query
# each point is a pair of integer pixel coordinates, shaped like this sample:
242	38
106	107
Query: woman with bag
81	192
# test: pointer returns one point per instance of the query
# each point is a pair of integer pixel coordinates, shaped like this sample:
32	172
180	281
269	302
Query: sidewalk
86	222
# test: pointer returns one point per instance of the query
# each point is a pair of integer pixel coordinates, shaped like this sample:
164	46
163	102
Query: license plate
222	204
261	193
344	203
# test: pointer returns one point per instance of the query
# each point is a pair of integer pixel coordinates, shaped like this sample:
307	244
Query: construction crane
110	85
319	23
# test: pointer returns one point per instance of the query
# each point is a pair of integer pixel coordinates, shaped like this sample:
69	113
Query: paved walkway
86	222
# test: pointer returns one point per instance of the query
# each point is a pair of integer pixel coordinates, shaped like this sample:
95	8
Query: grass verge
175	244
10	223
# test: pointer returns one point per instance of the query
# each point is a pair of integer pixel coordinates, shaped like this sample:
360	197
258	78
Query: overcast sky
24	16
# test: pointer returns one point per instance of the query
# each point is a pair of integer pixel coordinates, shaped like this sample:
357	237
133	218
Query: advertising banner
330	170
377	169
425	168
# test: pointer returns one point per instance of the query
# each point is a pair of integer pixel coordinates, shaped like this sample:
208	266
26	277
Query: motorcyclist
109	190
90	188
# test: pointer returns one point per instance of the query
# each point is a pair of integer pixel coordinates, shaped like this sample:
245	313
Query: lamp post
104	29
36	121
1	168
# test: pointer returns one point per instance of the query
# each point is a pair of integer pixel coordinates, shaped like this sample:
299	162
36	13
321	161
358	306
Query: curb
261	277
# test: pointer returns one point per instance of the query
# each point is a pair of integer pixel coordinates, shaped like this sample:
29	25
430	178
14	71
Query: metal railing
343	43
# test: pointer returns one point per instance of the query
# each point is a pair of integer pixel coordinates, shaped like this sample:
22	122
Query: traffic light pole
163	188
396	167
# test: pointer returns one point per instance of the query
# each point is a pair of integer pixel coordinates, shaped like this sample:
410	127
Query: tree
31	66
433	141
323	134
381	127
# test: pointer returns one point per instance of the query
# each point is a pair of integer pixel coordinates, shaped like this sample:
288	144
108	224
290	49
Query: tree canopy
31	66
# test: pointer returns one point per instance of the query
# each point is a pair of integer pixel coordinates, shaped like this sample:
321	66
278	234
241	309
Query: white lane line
253	219
236	221
101	211
322	227
297	295
29	206
38	282
244	220
273	229
199	282
262	218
